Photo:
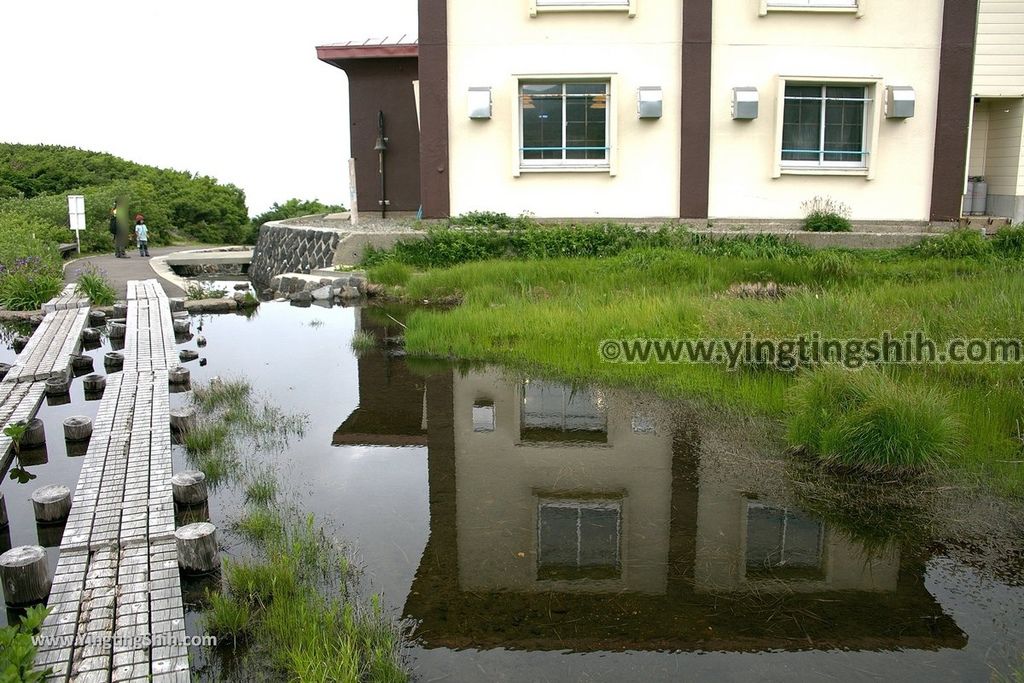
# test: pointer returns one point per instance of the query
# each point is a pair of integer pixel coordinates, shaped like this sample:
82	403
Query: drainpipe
381	147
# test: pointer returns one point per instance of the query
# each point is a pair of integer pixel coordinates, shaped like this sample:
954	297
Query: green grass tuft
92	283
260	525
261	489
1009	241
958	244
363	341
227	617
205	438
390	273
864	421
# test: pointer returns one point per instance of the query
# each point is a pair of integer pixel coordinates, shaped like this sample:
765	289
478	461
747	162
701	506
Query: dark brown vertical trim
695	152
434	108
952	123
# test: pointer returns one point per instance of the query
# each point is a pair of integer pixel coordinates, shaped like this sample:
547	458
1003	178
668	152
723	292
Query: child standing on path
142	235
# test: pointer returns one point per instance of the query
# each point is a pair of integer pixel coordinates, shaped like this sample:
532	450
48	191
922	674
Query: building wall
1003	158
979	139
999	61
896	42
385	85
500	479
490	43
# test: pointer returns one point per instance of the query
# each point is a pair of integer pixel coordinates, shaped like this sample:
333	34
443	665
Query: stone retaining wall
283	248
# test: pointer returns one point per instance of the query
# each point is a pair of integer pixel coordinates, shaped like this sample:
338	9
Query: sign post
76	217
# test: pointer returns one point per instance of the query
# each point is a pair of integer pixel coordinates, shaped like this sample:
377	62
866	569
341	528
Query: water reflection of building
580	519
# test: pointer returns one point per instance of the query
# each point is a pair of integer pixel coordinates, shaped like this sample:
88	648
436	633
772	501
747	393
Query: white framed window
783	543
826	126
578	539
812	6
565	124
538	6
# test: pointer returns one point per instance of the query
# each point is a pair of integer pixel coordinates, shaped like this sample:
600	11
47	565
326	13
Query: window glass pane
764	536
557	536
556	412
586	89
801	123
803	541
542	121
599	537
585	124
844	124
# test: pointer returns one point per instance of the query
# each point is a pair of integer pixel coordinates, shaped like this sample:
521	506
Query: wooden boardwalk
117	612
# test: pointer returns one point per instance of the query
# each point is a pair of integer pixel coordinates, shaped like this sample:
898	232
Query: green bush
92	283
18	652
491	219
1009	241
958	244
293	208
175	203
865	421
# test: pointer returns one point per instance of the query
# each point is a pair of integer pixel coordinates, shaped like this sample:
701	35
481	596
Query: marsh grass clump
227	617
220	393
196	291
865	422
390	273
261	489
259	525
363	341
205	438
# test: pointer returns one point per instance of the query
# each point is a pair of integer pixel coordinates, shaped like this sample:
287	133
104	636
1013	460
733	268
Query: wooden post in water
121	310
178	375
90	334
97	318
113	360
197	548
81	363
25	576
117	330
186	355
183	419
3	511
181	326
77	428
35	434
94	383
176	304
51	503
4	369
189	487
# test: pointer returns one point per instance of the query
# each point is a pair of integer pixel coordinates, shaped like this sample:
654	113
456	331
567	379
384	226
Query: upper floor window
628	6
774	4
564	125
824	126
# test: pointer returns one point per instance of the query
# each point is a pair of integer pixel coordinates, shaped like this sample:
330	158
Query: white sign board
76	211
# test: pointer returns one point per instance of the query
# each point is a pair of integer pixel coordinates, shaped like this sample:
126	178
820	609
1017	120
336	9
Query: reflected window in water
578	539
483	416
783	543
555	412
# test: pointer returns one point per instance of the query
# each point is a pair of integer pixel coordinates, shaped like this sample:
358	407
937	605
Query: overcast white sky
225	88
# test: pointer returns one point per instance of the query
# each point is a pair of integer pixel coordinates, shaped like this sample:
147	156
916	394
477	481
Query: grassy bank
551	314
289	610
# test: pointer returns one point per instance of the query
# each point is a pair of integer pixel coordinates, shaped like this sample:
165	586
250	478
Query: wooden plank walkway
48	352
116	598
67	299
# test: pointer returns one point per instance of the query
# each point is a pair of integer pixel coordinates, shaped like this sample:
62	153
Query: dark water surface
539	532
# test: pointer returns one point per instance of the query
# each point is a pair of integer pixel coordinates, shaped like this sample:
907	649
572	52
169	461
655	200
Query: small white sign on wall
76	216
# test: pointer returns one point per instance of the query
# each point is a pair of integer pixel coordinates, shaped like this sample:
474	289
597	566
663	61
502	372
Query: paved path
117	612
120	270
